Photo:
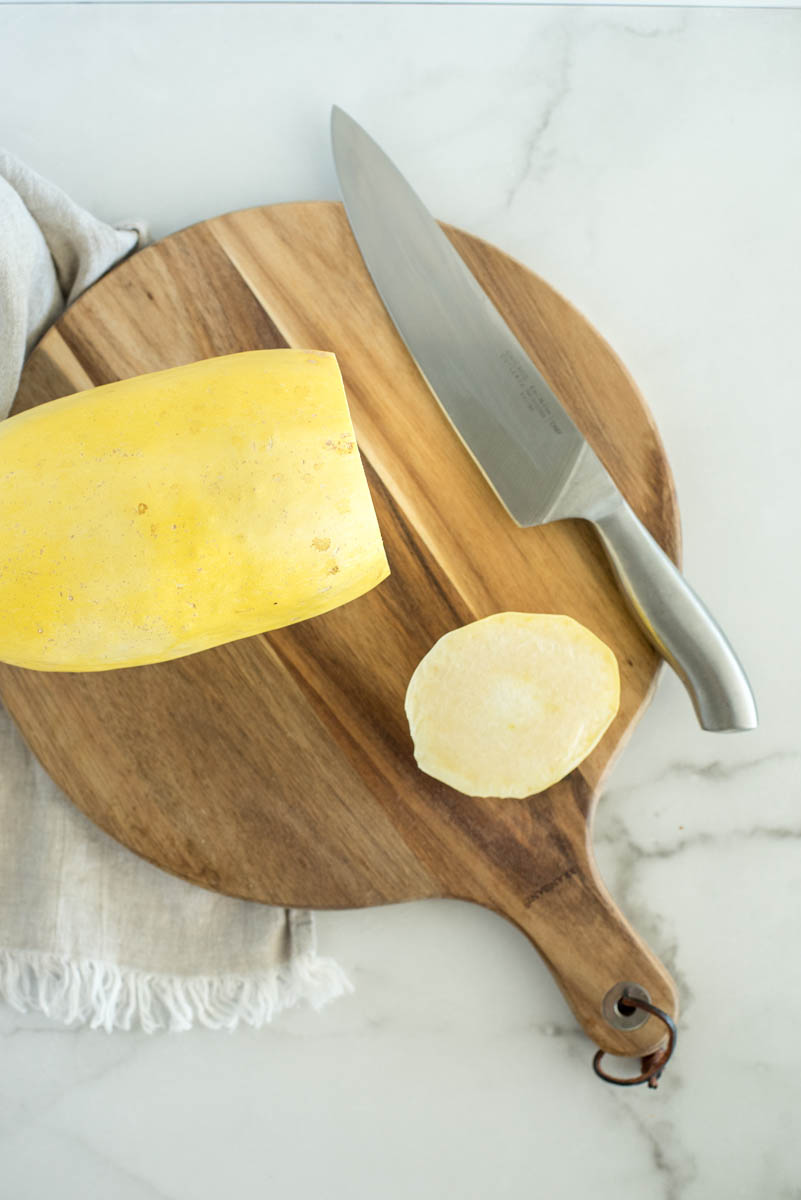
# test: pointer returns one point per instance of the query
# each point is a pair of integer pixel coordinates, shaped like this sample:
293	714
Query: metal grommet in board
619	1012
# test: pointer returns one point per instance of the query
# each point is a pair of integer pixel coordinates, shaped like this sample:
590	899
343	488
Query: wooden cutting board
280	768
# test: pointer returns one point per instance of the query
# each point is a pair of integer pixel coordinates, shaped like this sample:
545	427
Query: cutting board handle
587	943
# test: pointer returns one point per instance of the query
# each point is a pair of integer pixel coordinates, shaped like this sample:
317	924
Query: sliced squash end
510	704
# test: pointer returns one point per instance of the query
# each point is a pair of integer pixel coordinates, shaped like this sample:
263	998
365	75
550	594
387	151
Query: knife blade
534	457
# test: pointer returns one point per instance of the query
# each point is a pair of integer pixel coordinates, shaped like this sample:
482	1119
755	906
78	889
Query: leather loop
652	1064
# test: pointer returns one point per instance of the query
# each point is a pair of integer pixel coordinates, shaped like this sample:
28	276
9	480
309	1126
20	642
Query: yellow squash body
152	518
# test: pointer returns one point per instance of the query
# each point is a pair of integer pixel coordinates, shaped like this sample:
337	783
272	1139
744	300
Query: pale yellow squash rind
509	705
155	517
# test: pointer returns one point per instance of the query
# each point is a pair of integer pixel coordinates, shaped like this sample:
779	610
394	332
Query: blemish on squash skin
333	570
142	509
321	543
342	445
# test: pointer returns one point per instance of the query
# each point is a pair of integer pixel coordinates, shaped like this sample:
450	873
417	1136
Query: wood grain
280	768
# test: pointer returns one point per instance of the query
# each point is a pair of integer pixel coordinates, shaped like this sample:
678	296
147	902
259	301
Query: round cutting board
280	768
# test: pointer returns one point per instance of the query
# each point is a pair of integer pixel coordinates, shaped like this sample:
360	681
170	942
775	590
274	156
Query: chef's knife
538	463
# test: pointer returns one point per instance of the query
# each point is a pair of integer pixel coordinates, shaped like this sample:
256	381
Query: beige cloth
89	933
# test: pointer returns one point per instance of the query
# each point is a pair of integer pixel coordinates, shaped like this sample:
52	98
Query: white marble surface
648	163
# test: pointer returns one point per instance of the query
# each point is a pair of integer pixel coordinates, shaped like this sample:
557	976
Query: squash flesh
509	705
155	517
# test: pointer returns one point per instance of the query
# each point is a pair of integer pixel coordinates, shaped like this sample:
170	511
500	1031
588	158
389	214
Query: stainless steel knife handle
678	624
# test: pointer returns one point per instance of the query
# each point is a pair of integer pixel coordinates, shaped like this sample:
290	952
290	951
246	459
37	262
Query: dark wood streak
280	768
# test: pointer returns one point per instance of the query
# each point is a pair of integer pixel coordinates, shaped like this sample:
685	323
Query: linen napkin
89	932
